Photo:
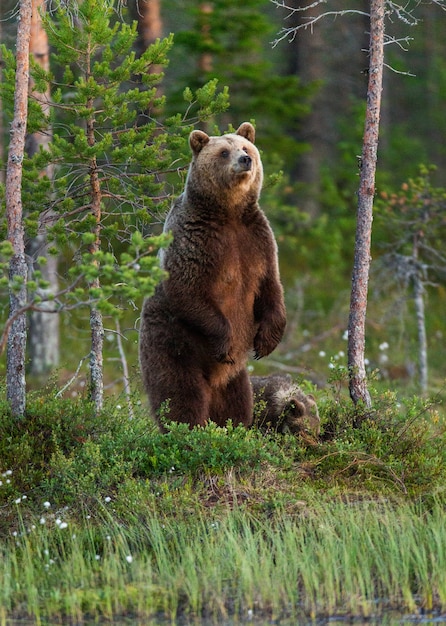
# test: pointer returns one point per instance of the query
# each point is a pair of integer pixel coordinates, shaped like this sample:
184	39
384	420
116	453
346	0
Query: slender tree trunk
421	328
96	323
2	130
419	276
361	265
307	61
150	26
15	374
43	329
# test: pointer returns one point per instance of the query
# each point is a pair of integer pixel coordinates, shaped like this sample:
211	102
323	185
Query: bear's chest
240	267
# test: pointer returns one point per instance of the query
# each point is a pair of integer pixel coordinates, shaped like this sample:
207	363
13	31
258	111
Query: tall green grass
349	557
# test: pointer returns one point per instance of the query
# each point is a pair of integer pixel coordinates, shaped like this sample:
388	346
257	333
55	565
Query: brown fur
281	405
223	297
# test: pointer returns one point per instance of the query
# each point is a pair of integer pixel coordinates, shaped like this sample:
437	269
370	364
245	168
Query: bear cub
282	406
223	298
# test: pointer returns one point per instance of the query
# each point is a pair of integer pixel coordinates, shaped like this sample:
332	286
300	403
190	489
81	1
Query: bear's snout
245	162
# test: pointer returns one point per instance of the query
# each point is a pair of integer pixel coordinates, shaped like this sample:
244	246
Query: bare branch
125	371
395	71
72	379
290	33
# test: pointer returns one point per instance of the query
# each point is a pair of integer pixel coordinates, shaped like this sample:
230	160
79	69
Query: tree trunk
2	130
307	61
149	23
43	332
15	372
421	328
96	323
361	265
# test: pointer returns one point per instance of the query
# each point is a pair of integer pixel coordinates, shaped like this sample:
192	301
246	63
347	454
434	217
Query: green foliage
210	450
227	41
402	444
62	453
412	221
104	514
110	154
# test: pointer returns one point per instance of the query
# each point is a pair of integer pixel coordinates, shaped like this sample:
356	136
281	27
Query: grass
105	517
332	558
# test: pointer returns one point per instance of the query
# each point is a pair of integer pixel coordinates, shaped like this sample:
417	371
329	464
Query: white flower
18	501
107	499
383	346
63	525
322	353
47	504
42	520
345	335
129	558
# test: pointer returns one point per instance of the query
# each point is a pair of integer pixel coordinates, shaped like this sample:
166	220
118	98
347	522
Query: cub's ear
197	140
295	407
247	131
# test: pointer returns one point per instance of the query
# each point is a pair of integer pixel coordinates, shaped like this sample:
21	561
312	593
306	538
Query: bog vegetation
101	515
104	516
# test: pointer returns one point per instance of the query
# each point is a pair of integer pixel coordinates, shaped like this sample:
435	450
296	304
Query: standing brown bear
222	298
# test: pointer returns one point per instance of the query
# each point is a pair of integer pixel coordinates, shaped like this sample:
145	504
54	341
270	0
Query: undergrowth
61	452
106	516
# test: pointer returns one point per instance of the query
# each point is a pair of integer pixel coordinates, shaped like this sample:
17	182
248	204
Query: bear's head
225	170
299	411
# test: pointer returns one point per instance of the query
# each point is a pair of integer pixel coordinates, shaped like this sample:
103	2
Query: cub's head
299	411
227	168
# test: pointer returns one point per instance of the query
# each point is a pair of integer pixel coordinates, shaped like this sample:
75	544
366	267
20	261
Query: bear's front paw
222	346
265	341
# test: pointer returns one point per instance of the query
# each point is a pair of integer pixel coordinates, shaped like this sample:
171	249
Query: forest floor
104	517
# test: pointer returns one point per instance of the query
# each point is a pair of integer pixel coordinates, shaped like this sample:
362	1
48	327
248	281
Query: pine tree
112	159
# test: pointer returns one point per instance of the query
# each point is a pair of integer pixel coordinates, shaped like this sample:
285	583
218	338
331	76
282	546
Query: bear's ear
295	407
247	131
197	140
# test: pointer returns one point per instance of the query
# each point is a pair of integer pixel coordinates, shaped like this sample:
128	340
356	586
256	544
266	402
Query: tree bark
2	130
361	266
421	328
96	323
43	329
150	26
15	372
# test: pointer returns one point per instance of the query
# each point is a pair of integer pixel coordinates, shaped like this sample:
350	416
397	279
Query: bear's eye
224	154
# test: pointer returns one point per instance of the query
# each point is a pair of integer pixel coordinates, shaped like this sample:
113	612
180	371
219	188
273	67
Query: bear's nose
245	161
